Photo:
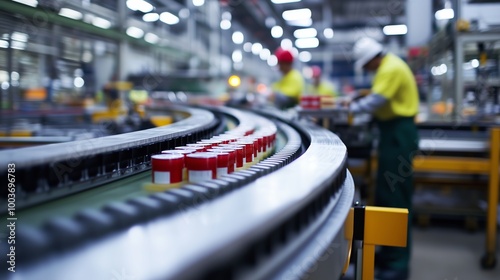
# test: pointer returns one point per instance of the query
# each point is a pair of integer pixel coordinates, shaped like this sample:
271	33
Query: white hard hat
364	50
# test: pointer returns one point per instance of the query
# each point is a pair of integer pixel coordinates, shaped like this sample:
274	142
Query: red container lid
222	157
239	152
201	161
212	142
167	162
249	149
199	146
195	149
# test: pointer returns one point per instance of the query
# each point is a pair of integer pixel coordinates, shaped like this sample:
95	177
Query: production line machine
81	211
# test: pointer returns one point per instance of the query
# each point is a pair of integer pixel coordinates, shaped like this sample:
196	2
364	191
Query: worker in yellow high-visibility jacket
319	86
287	91
393	101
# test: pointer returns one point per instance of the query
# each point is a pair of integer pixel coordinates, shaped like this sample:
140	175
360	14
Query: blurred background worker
394	103
287	91
320	86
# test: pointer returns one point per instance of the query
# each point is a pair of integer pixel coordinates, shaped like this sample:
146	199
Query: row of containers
208	159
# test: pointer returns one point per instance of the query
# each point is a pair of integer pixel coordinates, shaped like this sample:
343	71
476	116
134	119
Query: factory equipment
281	217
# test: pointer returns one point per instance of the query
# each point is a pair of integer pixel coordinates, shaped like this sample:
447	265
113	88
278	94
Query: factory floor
449	253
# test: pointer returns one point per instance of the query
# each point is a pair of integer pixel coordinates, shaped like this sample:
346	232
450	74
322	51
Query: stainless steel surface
453	145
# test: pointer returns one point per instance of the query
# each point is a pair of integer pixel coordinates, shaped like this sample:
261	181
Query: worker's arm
368	104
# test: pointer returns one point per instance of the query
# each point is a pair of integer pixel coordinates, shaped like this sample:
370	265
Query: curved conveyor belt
282	218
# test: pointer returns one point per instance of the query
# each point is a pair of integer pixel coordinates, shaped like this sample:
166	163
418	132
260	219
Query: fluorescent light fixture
140	5
70	13
286	44
150	17
169	18
301	23
32	3
444	14
256	48
102	23
297	14
18	36
276	31
5	85
399	29
238	37
307	43
78	82
264	54
328	33
237	56
135	32
18	45
225	24
14	76
4	44
247	47
305	33
198	3
439	70
151	38
305	56
272	61
284	1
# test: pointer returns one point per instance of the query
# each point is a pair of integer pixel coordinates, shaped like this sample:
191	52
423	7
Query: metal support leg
489	259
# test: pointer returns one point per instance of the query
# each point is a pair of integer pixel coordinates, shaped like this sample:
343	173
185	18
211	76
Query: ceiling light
305	33
32	3
69	13
225	24
102	23
135	32
140	5
238	37
226	15
150	17
19	36
151	38
78	82
399	29
247	47
474	63
297	14
284	1
169	18
18	45
184	13
198	3
444	14
272	61
302	23
286	44
4	44
234	81
237	56
256	48
264	54
270	22
306	43
305	56
328	33
276	31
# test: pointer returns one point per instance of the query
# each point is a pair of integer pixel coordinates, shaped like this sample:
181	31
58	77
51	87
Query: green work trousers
398	143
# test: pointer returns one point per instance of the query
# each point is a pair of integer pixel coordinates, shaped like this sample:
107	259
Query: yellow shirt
395	81
323	89
291	85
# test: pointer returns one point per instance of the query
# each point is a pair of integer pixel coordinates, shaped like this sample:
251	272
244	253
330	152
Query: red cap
202	162
240	152
231	159
316	71
249	149
283	56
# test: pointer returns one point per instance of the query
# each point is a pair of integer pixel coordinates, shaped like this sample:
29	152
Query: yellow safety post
489	260
382	226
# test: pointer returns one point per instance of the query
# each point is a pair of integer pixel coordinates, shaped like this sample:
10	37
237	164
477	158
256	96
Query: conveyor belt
256	224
